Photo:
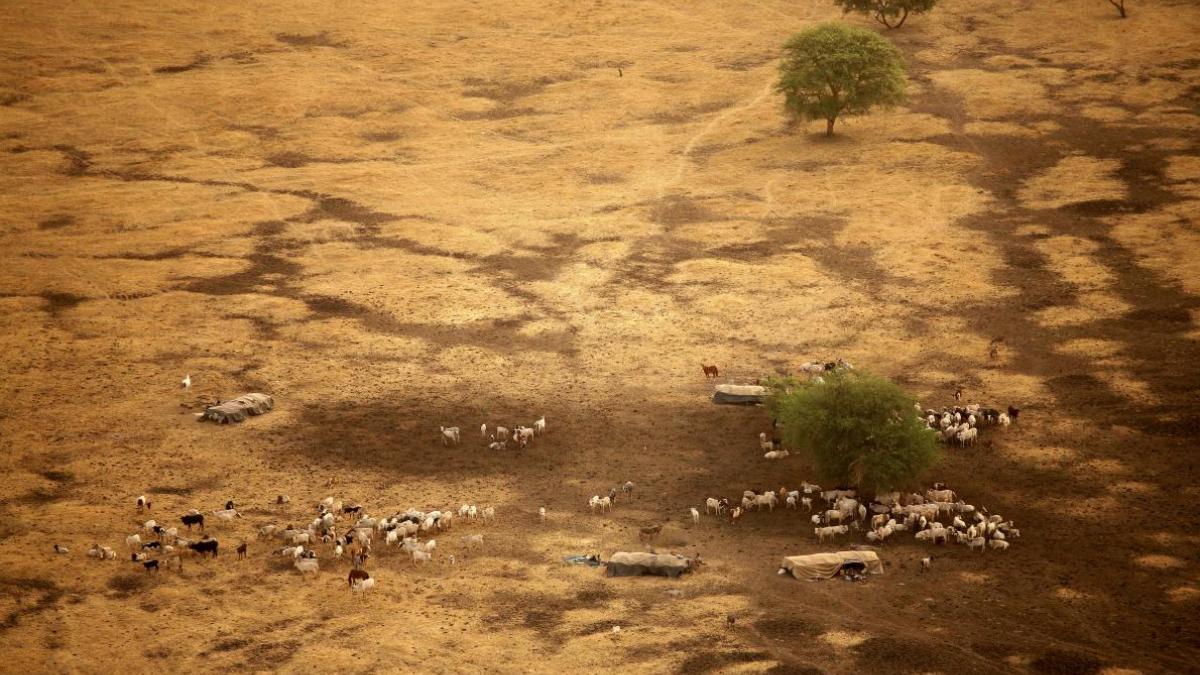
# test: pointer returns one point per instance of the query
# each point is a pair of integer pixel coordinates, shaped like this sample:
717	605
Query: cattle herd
340	530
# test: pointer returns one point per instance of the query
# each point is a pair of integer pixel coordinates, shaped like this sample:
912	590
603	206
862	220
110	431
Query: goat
61	550
450	435
186	382
420	556
764	443
695	516
776	454
307	565
627	488
143	503
925	563
542	514
712	504
193	519
473	539
133	541
483	431
647	534
539	425
356	575
150	565
227	514
823	532
710	371
242	549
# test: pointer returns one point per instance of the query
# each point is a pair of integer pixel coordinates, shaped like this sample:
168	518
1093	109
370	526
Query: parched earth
397	216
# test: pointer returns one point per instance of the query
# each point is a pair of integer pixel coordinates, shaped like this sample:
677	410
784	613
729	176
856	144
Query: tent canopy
746	394
827	565
239	408
636	564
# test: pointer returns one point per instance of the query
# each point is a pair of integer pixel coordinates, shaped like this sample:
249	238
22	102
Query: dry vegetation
392	216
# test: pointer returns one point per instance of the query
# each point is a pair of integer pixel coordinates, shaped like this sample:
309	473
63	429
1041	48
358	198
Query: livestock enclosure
395	217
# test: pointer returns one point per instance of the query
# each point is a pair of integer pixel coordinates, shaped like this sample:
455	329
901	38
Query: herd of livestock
338	530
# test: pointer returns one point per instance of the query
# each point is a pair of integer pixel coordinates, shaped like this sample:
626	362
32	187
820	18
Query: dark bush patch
1057	662
127	584
709	661
312	40
200	61
56	222
58	476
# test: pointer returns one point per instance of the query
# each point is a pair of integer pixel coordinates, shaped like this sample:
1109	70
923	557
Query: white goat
695	516
450	435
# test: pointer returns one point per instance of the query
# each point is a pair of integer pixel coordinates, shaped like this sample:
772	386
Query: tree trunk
829	126
1120	5
884	20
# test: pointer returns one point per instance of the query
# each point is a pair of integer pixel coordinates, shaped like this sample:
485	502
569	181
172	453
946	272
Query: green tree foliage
834	69
891	13
860	429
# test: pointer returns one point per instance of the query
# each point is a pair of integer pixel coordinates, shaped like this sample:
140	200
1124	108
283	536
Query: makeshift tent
744	394
827	565
239	408
636	564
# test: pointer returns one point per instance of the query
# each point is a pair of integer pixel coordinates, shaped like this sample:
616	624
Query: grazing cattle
204	547
193	519
710	371
356	575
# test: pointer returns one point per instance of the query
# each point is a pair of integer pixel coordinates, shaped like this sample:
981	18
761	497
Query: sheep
713	505
420	556
450	435
695	516
149	525
282	499
133	541
816	519
362	586
539	425
809	488
501	432
594	503
473	540
939	495
1004	420
823	532
776	454
490	512
791	502
227	515
959	523
735	514
605	503
627	488
807	503
998	544
445	522
307	565
769	499
472	512
834	514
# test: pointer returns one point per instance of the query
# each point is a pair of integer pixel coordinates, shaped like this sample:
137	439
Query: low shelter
829	565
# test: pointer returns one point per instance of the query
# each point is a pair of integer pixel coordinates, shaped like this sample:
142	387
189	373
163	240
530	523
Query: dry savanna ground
393	216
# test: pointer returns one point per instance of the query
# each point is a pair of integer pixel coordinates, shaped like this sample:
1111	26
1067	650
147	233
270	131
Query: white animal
823	532
776	454
473	539
1004	420
605	503
61	550
769	499
695	516
227	514
338	551
363	585
307	565
998	544
764	443
542	514
791	502
133	542
450	435
809	488
186	382
925	563
143	503
712	504
420	556
483	430
266	530
816	519
539	425
489	513
502	432
472	512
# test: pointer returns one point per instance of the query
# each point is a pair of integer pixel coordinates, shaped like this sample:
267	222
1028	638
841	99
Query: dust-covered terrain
398	216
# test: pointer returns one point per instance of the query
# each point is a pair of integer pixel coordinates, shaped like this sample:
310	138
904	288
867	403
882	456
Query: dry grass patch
1075	179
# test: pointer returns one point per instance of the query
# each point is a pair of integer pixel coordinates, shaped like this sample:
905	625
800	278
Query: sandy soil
395	216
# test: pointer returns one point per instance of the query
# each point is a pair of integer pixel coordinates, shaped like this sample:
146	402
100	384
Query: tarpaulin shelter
238	409
743	394
658	564
827	565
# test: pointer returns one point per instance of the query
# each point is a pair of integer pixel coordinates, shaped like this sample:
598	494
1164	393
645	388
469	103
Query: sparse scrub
891	13
834	70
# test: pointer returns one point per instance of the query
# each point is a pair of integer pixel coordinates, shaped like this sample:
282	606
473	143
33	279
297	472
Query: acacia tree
859	428
834	69
1120	5
891	13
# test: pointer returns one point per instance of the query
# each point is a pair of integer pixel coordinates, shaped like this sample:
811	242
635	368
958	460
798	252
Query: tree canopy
859	429
891	13
834	69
